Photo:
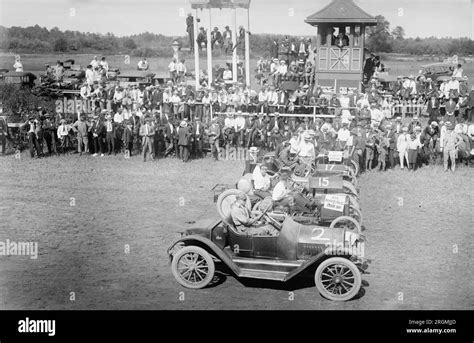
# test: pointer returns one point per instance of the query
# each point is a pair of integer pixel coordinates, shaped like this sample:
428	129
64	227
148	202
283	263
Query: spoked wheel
351	178
349	188
346	222
193	267
354	201
338	279
356	214
355	167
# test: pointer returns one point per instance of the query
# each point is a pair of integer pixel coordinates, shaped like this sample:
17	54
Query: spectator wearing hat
197	134
227	37
63	135
429	139
370	148
98	135
449	146
382	151
306	148
414	146
433	108
391	138
184	135
147	132
30	127
402	146
214	135
110	130
48	132
127	137
81	128
451	106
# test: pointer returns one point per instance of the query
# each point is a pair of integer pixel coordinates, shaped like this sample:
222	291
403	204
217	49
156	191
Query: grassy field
36	63
418	226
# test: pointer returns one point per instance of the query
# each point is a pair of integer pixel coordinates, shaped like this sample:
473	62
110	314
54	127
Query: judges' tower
340	60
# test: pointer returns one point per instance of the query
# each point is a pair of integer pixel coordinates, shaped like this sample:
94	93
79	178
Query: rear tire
347	223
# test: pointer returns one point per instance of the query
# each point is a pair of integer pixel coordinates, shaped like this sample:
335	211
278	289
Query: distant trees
378	37
60	44
398	33
39	39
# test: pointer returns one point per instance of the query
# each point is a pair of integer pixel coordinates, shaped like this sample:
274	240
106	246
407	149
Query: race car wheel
356	167
338	279
354	201
349	188
346	222
356	214
193	267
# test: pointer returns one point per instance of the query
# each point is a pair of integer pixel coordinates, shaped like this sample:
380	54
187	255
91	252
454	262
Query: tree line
36	39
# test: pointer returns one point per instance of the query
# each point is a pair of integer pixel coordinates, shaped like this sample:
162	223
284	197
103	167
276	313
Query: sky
423	18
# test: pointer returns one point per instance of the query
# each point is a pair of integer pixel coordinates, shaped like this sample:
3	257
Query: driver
246	223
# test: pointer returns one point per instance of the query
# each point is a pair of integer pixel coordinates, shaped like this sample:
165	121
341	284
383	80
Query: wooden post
196	49
209	51
234	43
247	50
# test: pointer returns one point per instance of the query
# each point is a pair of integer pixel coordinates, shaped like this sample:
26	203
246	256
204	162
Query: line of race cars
320	236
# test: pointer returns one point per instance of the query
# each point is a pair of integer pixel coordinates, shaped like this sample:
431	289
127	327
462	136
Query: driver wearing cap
245	222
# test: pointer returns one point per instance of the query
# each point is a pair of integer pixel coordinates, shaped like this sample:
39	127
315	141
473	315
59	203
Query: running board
262	274
266	265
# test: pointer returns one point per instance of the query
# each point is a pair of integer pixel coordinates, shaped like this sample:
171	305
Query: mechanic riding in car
246	223
281	192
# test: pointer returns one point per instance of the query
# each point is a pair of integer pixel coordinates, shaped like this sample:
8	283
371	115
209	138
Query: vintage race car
334	256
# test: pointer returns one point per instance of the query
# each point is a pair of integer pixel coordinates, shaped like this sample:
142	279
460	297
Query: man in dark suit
98	133
198	136
433	108
183	140
110	134
147	132
216	37
170	134
392	144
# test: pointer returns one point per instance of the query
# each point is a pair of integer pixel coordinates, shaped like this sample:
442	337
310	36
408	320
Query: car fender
316	259
210	247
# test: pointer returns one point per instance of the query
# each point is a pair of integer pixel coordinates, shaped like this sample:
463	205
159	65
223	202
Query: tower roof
341	11
201	4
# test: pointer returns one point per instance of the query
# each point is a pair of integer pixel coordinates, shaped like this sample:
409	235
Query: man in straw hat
183	140
449	146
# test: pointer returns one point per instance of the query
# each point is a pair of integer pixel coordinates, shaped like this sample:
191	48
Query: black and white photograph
242	155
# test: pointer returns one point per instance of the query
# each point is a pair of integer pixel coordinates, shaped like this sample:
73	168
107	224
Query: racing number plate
333	182
331	168
335	156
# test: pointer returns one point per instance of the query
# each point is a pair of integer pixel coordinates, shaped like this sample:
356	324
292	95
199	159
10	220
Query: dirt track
127	202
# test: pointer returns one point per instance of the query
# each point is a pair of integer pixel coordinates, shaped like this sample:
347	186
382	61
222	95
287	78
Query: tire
336	275
349	188
355	166
354	201
355	224
187	273
358	215
225	199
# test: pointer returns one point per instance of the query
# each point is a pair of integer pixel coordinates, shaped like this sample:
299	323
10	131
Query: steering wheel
272	221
